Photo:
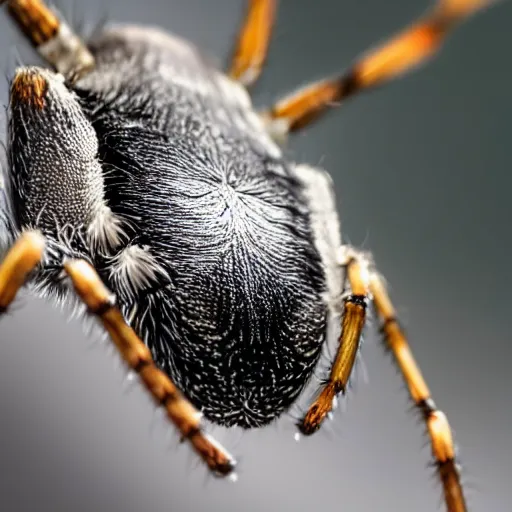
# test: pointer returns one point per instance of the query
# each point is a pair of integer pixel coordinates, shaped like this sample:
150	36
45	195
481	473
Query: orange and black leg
353	322
394	57
138	357
366	285
440	434
20	261
52	37
26	254
253	41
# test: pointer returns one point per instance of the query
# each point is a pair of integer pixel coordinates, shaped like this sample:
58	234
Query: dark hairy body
138	168
209	246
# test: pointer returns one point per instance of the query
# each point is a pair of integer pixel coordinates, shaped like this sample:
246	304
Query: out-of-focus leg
253	41
52	37
394	57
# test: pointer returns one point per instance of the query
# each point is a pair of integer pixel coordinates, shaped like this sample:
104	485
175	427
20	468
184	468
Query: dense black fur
236	313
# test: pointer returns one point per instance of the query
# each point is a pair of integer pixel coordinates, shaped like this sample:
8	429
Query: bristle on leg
138	357
353	322
438	428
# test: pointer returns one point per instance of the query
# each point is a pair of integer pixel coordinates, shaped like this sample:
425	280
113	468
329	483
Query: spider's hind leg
52	37
19	262
253	41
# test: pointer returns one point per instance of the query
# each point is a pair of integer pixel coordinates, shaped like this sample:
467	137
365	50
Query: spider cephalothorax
138	167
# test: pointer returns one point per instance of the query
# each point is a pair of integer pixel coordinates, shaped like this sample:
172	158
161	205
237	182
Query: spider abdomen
233	309
241	348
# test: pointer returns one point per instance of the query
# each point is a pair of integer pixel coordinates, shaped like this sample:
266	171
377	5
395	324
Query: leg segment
21	259
401	53
365	283
52	37
253	41
437	424
354	318
138	357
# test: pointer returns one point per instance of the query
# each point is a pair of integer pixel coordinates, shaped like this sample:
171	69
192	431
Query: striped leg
401	53
438	428
52	37
21	259
354	318
253	41
365	284
138	357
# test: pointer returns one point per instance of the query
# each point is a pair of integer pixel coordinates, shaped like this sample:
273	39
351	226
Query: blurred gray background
423	174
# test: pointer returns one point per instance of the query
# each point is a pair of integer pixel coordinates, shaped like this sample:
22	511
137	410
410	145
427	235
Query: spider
225	249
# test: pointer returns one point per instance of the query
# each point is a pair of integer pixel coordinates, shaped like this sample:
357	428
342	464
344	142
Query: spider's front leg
20	261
